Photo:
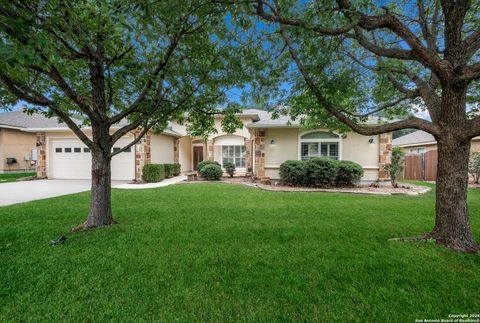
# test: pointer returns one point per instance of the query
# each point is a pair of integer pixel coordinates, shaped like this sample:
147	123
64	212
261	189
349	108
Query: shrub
152	173
207	162
292	172
396	165
348	173
474	166
177	169
321	172
211	172
229	168
168	170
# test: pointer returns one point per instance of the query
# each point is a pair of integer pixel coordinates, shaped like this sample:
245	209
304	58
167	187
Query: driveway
19	192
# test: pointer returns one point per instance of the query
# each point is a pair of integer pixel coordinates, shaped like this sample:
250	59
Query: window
234	155
86	150
68	150
319	144
417	151
77	150
58	150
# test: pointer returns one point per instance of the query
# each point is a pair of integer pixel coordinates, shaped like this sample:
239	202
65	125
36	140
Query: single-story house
420	142
257	149
17	147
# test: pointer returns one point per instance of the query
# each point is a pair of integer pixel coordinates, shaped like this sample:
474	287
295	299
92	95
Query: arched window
320	144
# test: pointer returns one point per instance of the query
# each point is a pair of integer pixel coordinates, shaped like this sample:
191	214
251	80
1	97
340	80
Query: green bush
348	173
152	173
176	169
211	172
168	170
292	172
207	162
321	172
395	168
229	168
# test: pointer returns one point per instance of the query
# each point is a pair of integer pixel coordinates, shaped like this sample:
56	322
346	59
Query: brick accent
176	150
142	154
210	150
385	153
259	152
41	155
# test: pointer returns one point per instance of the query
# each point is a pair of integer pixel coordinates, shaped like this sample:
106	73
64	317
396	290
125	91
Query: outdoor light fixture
371	141
272	142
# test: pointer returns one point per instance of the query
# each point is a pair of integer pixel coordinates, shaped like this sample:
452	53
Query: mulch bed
385	189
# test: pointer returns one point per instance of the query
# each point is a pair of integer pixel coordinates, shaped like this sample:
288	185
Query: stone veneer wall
210	147
259	152
176	150
385	154
41	155
142	154
249	153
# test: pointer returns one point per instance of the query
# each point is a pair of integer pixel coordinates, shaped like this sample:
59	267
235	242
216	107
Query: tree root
434	237
423	237
85	227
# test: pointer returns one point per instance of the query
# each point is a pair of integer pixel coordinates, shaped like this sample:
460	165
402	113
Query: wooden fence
422	167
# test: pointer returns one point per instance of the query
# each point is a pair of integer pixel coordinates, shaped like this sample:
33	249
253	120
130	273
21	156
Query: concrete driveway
19	192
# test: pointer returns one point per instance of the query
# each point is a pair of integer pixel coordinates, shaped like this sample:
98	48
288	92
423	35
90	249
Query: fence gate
422	167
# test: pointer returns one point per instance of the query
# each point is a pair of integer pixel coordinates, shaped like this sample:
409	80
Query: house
257	149
420	142
17	147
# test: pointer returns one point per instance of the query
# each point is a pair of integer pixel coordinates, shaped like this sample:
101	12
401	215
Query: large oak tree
137	64
357	58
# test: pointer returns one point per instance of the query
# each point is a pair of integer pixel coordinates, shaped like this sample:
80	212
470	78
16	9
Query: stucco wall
16	144
354	147
161	148
185	154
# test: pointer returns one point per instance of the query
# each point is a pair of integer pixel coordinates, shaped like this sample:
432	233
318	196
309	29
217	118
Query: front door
197	156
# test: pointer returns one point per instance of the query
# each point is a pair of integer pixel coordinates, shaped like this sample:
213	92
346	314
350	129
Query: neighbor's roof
414	138
23	121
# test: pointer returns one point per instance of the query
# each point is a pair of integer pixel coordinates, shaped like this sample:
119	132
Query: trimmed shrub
176	169
292	172
321	172
211	172
207	162
229	168
348	173
168	170
152	173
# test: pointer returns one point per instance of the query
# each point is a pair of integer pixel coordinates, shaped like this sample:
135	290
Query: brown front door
197	156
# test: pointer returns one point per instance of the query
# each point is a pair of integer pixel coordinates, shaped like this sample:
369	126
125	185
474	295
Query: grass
219	252
12	177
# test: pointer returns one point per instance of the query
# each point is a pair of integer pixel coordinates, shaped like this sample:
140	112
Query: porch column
176	150
210	150
259	148
142	154
385	153
41	155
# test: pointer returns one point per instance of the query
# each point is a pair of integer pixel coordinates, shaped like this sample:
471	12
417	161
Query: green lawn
12	177
219	252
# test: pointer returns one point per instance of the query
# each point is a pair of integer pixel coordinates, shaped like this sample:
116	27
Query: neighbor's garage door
71	159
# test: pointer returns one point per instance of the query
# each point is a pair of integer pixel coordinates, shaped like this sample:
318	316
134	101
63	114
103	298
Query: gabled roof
414	138
20	120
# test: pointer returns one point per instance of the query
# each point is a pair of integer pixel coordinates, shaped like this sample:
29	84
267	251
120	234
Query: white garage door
71	159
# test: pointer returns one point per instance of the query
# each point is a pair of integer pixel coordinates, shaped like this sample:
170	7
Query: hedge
152	173
168	170
207	162
176	169
211	172
320	172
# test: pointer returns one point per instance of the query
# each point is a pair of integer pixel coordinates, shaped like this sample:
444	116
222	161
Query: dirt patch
276	186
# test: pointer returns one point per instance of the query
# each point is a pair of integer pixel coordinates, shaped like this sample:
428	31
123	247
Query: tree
396	165
360	58
139	64
474	166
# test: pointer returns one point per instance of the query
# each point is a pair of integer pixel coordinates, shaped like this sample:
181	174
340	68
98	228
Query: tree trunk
452	225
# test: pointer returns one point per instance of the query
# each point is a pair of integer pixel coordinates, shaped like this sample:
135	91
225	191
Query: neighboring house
258	149
420	142
17	147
